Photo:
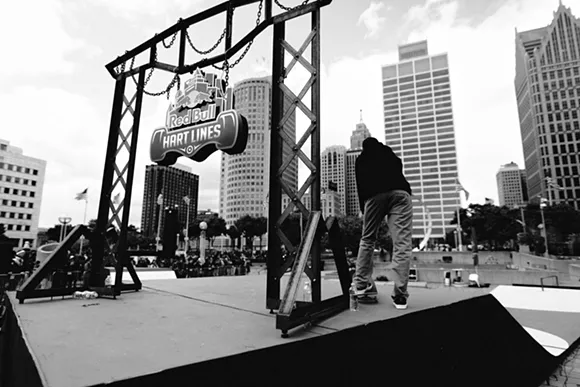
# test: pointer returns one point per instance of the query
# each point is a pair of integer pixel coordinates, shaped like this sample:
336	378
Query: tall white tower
419	127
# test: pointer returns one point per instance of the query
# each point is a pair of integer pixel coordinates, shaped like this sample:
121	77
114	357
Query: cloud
66	130
371	19
134	9
482	67
35	41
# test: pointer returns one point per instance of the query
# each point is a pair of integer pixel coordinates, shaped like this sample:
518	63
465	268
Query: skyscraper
245	178
360	133
352	202
333	168
419	127
174	183
22	180
511	185
547	87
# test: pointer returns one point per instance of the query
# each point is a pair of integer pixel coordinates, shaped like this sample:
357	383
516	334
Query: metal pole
523	219
158	237
202	246
544	232
276	152
459	245
187	229
84	221
315	155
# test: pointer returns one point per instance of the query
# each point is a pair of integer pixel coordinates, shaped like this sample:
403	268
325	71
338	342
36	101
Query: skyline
69	128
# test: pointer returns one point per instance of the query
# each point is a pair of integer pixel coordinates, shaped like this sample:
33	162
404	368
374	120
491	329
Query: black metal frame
118	177
57	257
291	313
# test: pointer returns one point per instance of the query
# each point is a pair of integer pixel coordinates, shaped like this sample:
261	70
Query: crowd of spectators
216	263
75	272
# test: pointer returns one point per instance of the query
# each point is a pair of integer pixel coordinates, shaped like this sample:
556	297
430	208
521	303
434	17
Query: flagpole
84	222
548	186
459	245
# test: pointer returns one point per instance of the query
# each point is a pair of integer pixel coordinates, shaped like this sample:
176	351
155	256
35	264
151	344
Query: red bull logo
199	122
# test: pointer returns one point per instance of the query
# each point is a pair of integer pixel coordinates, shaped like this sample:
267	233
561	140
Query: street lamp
64	220
202	227
470	213
521	208
158	237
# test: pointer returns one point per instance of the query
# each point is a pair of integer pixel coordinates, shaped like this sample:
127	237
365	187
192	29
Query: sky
56	95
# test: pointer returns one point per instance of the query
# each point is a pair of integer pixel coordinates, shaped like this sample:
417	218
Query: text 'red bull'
191	116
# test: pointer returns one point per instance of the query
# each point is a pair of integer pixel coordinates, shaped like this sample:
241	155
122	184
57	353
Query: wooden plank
287	304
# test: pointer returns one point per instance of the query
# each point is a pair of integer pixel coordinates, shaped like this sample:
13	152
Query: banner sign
200	121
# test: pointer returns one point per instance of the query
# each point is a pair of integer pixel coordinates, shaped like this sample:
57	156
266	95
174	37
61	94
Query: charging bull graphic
199	122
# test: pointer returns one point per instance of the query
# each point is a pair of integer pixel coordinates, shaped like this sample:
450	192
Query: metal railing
550	276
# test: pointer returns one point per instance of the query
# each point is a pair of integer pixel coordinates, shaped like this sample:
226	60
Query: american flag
460	188
552	183
82	195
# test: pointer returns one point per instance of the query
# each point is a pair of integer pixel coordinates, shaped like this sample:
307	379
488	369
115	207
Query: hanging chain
227	66
175	80
290	8
221	38
172	40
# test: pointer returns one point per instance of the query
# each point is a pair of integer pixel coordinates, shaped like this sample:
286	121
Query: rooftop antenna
361	120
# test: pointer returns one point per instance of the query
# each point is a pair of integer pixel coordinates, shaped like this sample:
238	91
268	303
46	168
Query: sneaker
400	302
369	290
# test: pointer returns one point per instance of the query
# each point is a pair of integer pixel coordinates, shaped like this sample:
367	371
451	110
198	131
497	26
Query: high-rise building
511	185
333	168
360	133
22	181
245	178
419	127
547	87
352	202
174	183
329	203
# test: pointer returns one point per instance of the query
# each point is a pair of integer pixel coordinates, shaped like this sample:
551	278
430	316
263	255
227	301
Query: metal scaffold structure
115	200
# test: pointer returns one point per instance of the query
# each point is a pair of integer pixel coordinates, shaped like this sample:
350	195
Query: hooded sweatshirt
378	170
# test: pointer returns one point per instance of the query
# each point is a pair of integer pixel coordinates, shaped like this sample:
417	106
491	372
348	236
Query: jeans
397	206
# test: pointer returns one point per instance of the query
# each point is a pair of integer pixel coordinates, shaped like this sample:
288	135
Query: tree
247	226
234	234
53	233
134	238
216	226
351	227
261	228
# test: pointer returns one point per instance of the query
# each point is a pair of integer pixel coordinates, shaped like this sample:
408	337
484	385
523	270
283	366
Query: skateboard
370	297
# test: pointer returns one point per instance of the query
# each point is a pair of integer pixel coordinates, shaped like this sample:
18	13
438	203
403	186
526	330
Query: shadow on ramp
475	342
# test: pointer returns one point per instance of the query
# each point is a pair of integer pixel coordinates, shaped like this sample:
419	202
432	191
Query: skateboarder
383	191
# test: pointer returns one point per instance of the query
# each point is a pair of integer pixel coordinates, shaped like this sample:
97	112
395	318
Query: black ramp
475	342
